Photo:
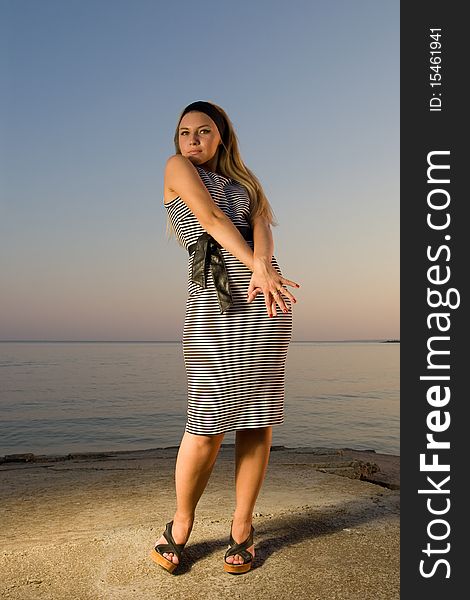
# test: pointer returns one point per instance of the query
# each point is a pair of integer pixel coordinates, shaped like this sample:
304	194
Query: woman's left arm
263	249
265	278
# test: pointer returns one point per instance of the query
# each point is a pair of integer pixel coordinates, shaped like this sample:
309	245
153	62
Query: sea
62	397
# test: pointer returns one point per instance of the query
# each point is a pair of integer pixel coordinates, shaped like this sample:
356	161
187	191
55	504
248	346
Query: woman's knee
206	441
255	431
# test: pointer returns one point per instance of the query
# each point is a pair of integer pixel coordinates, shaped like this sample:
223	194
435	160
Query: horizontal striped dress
234	360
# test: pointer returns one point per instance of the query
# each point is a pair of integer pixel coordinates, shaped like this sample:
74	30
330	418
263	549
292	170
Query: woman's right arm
181	176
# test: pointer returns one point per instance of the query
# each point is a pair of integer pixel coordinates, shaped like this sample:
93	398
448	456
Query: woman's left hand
267	280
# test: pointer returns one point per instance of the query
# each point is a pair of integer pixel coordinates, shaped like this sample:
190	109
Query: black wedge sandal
157	553
240	549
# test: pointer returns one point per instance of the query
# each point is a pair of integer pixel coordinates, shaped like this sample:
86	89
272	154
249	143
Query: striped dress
234	360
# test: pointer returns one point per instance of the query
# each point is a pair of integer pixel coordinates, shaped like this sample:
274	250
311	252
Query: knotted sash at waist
207	251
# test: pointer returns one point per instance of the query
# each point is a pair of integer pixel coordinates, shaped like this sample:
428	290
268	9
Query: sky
92	91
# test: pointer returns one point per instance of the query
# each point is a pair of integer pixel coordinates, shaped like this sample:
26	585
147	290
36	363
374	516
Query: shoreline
368	465
25	456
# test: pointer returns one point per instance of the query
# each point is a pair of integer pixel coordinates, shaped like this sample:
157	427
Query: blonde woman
237	328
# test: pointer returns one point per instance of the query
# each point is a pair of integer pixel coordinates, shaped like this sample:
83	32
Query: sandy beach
81	527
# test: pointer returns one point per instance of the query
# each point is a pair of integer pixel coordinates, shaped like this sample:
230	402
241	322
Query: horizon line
395	340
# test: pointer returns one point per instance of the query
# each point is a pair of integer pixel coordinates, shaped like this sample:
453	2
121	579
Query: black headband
209	110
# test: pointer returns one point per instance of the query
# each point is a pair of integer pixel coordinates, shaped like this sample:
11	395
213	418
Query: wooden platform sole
162	561
234	569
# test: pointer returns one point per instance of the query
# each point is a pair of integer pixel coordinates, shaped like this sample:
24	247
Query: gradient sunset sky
93	90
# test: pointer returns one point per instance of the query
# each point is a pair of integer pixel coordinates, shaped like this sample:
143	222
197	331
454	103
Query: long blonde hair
230	164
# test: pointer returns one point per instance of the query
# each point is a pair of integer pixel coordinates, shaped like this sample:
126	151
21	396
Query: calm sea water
61	397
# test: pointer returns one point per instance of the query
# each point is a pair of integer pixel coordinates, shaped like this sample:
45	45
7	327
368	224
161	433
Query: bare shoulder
176	160
177	166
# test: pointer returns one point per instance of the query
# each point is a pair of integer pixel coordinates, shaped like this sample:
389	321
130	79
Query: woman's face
198	137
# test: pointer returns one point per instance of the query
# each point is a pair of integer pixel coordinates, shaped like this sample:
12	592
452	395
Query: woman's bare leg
252	451
196	458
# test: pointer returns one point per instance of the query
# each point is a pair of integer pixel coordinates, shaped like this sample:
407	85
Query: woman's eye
202	130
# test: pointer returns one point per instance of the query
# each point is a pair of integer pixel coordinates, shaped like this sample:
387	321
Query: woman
235	340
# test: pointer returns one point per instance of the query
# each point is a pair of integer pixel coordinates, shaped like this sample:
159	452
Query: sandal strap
172	546
242	548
